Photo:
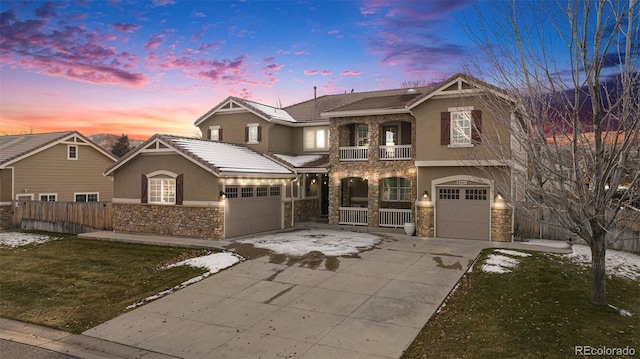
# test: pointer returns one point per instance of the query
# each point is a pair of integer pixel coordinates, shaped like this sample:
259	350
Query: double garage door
463	212
252	209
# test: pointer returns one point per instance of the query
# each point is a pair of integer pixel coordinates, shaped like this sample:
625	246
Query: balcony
354	153
395	153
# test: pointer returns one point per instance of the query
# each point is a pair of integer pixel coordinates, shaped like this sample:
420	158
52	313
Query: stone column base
501	224
424	219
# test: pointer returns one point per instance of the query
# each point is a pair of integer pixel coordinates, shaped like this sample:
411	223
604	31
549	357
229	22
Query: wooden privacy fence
63	217
542	224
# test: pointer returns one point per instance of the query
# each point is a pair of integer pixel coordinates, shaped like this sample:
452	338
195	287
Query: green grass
74	284
540	310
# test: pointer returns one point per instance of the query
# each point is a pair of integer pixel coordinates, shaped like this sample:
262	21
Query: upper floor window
460	127
215	133
396	189
86	197
390	135
72	152
362	135
253	133
316	138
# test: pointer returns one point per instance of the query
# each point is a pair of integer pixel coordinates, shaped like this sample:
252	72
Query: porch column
374	203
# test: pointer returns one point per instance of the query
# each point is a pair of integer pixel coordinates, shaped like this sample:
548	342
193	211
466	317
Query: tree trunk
598	277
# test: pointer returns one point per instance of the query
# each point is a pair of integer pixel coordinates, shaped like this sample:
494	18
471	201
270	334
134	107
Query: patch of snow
513	253
18	239
618	263
490	268
623	312
213	263
503	261
548	243
329	243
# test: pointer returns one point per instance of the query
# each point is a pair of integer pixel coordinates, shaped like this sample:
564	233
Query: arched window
396	189
162	187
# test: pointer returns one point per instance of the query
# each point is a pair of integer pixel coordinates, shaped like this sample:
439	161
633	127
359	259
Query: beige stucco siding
199	184
50	171
428	145
233	128
5	185
280	138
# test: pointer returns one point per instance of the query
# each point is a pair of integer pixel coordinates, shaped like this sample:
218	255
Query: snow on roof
228	157
272	112
299	161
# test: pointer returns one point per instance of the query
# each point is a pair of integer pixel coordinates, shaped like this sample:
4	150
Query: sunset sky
145	67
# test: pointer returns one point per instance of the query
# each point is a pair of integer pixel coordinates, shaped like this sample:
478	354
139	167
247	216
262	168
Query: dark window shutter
476	129
143	189
209	135
445	128
259	133
246	134
352	134
179	189
220	134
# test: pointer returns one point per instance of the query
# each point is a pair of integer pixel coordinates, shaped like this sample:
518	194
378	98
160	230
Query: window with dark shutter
179	189
259	133
209	135
476	130
246	134
220	135
143	189
445	128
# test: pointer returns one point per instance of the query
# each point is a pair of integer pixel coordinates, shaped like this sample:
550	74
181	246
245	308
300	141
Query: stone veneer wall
6	217
306	209
198	222
501	224
287	214
372	170
424	219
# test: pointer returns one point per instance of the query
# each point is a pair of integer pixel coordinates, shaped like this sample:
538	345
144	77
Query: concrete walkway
367	306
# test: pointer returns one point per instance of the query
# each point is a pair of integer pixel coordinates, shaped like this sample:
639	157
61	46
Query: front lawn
540	309
74	284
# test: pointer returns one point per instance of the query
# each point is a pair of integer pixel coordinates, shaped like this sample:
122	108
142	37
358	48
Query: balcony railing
354	153
356	216
390	217
398	152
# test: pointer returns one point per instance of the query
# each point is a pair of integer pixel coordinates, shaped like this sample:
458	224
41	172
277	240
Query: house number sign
462	183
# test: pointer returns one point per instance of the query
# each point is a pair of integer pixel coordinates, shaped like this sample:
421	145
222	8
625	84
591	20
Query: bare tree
571	69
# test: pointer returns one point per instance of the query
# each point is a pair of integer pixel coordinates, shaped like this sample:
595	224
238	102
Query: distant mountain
106	141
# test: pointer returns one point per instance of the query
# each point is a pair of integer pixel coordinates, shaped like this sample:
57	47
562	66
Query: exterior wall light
223	195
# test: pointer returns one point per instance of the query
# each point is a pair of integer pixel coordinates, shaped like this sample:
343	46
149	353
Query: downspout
293	201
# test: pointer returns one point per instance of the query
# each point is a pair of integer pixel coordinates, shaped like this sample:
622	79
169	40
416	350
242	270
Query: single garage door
252	209
463	213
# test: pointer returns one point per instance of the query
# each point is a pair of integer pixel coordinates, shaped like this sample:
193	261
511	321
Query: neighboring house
59	166
376	159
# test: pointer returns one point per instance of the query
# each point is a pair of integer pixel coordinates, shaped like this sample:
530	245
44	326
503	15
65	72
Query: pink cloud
163	2
299	52
326	72
310	72
154	41
274	67
268	59
353	73
126	28
69	51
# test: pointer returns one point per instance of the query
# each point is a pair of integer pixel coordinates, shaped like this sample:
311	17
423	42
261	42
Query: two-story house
57	166
377	159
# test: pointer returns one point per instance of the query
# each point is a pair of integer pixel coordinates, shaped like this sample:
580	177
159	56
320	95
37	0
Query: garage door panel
252	215
463	213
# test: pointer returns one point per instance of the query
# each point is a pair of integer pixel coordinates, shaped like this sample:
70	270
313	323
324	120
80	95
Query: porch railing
354	153
390	217
399	152
356	216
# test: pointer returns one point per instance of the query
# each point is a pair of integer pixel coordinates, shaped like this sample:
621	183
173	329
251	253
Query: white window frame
215	133
253	133
86	194
48	195
362	140
163	184
75	156
385	129
398	190
460	136
316	138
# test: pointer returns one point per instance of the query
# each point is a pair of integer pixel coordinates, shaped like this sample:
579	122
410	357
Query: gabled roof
17	147
220	158
236	104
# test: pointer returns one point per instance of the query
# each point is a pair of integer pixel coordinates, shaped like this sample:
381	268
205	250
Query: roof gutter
369	112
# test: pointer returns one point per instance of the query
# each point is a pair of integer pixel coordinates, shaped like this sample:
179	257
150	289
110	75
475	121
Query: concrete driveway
371	305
